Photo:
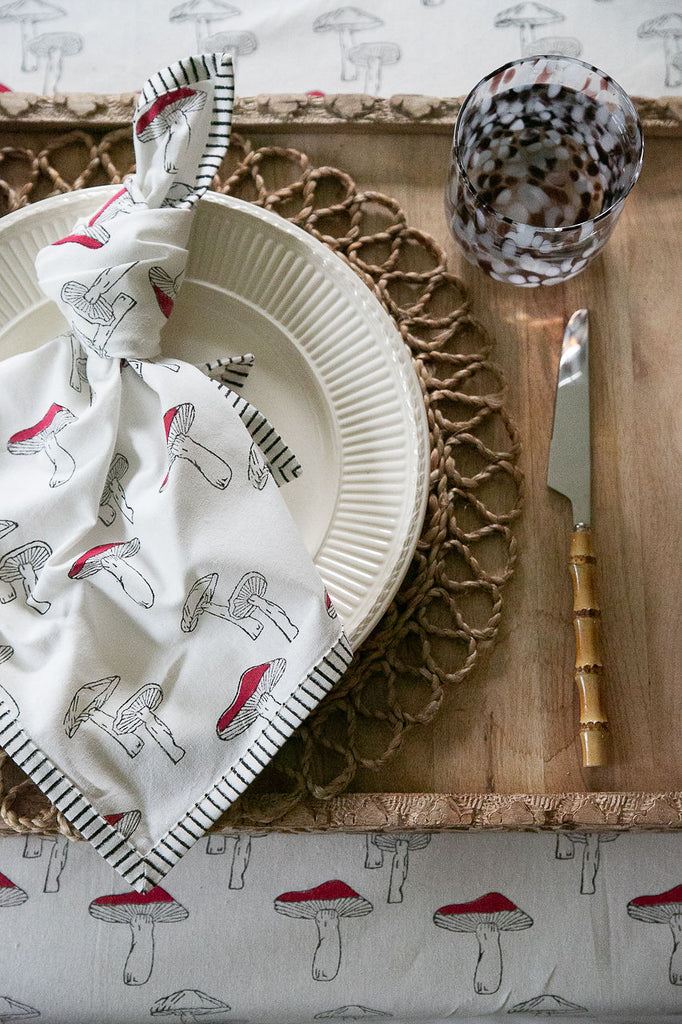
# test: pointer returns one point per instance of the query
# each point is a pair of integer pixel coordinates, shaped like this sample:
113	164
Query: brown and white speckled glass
545	151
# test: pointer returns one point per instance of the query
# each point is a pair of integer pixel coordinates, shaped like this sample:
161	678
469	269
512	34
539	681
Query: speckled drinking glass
545	151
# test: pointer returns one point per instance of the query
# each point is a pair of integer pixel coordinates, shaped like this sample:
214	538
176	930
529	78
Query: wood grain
504	750
512	727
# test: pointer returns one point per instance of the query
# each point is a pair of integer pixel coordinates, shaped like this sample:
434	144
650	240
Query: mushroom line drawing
166	116
42	437
79	366
253	699
241	853
113	496
34	847
28	13
400	844
326	905
548	1005
177	423
89	301
590	841
11	895
8	705
200	601
112	558
52	48
141	912
165	288
527	17
236	44
374	856
668	27
125	822
663	908
202	13
352	1013
487	917
248	600
257	472
188	1005
346	21
139	712
86	706
7	526
373	57
24	564
13	1010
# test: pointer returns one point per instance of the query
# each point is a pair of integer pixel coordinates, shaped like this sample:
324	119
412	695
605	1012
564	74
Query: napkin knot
116	275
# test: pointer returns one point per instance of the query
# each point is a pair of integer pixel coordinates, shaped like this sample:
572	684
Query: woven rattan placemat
450	603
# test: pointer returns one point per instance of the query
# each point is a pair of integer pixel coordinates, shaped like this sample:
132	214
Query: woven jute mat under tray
450	603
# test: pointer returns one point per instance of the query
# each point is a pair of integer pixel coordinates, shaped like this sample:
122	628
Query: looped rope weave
450	604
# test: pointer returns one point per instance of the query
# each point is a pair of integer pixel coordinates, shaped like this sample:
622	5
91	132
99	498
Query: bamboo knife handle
588	662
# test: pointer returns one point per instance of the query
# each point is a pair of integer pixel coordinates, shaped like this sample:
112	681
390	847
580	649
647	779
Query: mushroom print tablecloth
401	928
376	47
162	627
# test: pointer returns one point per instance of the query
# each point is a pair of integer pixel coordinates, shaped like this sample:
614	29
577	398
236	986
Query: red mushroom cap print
178	423
255	686
326	904
125	822
663	908
112	558
42	437
141	911
167	115
11	895
486	916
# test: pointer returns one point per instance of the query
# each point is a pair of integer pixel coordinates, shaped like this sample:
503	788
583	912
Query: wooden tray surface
504	751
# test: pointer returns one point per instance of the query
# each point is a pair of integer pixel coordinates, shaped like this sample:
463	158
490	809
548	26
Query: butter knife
569	474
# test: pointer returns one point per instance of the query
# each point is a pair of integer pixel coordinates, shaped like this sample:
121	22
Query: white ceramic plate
331	373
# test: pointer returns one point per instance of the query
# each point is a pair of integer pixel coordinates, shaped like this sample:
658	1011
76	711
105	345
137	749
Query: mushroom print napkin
163	629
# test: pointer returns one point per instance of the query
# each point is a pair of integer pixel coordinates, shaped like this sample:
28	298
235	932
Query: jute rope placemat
450	603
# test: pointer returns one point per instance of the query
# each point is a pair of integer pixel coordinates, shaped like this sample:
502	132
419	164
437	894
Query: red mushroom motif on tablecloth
663	908
139	712
216	844
178	423
487	917
189	1005
87	706
11	895
165	288
125	822
167	116
399	845
253	699
42	437
326	905
566	843
113	497
24	565
113	559
140	911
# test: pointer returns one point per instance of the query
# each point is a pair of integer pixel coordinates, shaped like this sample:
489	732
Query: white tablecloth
433	47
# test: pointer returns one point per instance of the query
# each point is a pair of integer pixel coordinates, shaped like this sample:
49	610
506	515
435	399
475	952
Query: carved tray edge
284	112
446	812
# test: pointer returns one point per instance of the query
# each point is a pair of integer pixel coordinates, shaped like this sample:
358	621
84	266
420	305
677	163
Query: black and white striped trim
281	461
144	872
232	372
215	68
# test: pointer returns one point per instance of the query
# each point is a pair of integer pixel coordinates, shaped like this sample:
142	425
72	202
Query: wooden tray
504	750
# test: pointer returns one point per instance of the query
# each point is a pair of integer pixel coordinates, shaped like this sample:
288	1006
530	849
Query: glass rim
572	62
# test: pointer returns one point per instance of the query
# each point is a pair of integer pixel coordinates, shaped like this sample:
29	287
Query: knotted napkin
163	629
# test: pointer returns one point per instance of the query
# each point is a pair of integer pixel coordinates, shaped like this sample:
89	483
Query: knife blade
569	472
